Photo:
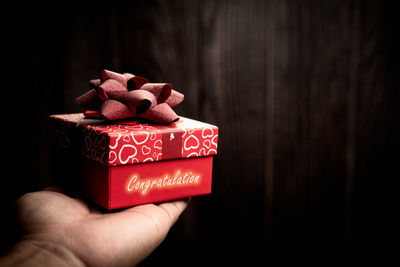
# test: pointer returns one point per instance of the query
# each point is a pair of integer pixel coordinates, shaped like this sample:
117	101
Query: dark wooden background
305	93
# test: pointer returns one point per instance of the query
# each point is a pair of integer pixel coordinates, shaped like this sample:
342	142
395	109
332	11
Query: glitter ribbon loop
118	96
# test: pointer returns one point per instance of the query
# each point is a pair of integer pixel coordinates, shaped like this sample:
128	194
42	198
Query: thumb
174	209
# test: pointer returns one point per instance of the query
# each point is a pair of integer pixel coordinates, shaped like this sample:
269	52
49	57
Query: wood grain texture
304	92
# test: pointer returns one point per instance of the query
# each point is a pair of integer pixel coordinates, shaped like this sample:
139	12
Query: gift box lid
132	141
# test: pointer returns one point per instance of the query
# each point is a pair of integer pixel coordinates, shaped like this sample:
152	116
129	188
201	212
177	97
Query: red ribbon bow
119	96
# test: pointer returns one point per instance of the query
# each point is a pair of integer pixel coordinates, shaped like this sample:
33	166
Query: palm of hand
120	238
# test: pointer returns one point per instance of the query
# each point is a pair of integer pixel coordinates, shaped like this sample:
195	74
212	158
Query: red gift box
126	163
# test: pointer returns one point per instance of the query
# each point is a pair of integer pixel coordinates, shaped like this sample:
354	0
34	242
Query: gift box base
114	187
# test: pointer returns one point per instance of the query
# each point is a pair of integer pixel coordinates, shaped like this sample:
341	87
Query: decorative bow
119	96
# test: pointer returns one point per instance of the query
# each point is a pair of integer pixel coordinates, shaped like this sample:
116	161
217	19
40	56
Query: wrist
40	253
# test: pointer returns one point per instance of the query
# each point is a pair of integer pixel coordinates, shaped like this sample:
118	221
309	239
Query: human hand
77	234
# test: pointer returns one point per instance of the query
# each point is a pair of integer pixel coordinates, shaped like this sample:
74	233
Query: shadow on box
67	169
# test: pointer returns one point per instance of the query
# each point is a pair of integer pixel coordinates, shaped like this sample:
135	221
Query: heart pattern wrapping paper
131	142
